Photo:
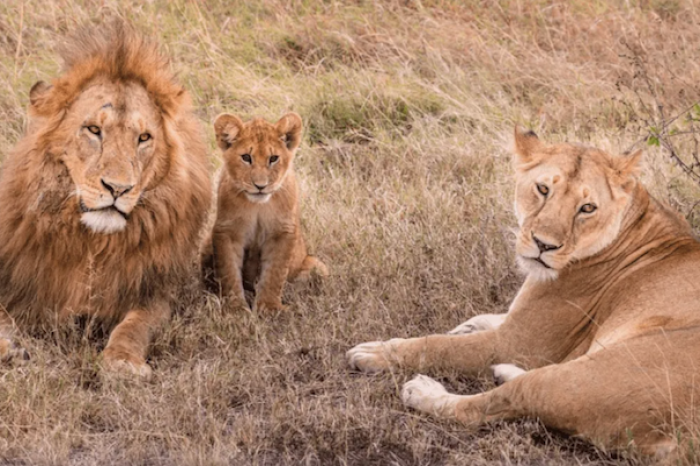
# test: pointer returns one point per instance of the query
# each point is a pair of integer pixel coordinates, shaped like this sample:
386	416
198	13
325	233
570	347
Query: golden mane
49	262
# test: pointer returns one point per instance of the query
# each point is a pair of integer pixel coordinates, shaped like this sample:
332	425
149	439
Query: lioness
257	231
603	337
103	197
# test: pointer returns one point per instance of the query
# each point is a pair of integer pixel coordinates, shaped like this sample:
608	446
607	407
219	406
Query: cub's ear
526	143
227	127
38	96
290	127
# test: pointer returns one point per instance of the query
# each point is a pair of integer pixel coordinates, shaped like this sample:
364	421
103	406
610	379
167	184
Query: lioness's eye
544	190
144	137
588	208
274	159
246	158
94	129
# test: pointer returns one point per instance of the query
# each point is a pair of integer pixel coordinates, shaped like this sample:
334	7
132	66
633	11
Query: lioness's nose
116	189
544	247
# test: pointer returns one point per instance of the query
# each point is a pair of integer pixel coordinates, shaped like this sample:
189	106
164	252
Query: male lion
606	326
103	197
257	230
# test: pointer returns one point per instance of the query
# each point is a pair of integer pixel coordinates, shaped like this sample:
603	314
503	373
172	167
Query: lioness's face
114	132
257	154
569	201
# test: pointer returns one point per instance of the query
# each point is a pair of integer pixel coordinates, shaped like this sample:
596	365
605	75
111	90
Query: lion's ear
290	127
227	127
38	96
526	143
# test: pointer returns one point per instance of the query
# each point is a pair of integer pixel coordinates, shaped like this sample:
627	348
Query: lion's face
570	202
257	154
114	134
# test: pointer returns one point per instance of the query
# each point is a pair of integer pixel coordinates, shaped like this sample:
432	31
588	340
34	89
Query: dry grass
406	175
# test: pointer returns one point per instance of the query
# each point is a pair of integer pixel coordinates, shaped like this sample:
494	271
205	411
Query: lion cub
257	234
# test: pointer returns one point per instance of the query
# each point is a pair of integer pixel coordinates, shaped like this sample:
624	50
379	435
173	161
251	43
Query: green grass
405	168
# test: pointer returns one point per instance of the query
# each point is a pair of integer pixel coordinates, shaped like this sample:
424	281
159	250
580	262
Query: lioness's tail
310	266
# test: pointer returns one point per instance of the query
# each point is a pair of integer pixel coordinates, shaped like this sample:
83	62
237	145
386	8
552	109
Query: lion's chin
260	198
105	221
536	270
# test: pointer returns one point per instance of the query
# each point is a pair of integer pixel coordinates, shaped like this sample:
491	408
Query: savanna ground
409	106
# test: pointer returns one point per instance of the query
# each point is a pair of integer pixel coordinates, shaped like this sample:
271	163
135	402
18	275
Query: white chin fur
106	222
536	270
258	198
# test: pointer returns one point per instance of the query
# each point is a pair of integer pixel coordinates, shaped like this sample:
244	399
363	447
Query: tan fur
257	234
103	224
607	325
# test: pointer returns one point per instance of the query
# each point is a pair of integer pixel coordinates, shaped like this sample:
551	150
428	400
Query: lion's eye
246	158
144	137
94	129
588	208
544	190
274	159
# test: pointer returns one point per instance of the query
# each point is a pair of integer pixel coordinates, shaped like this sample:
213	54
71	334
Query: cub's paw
265	306
503	373
429	396
123	364
374	356
234	304
12	352
478	324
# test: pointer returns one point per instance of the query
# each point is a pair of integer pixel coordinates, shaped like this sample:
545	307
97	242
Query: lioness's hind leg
479	323
310	266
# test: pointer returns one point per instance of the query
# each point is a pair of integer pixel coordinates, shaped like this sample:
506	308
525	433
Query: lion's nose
260	186
116	189
544	247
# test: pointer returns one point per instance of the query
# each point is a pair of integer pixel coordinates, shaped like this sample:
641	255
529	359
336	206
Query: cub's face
257	154
111	135
570	202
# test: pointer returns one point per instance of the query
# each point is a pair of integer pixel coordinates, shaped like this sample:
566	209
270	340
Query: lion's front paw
122	363
269	306
478	324
428	395
12	352
374	356
235	304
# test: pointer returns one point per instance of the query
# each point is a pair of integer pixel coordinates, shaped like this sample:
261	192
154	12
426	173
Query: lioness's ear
290	127
627	167
38	95
526	142
227	127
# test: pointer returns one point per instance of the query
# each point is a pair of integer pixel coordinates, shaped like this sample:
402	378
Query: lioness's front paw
428	395
374	356
11	351
264	306
503	373
122	363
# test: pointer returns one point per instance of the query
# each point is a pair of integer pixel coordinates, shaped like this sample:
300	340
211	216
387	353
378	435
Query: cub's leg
229	251
128	344
276	254
611	398
479	323
470	354
9	350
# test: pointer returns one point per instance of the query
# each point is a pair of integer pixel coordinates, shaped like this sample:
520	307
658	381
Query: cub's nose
260	186
116	189
544	247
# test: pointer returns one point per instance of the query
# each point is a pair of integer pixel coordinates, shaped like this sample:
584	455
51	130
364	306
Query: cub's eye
588	208
274	159
544	190
246	158
144	137
94	129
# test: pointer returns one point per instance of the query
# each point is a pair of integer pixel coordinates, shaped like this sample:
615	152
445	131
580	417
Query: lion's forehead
108	102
